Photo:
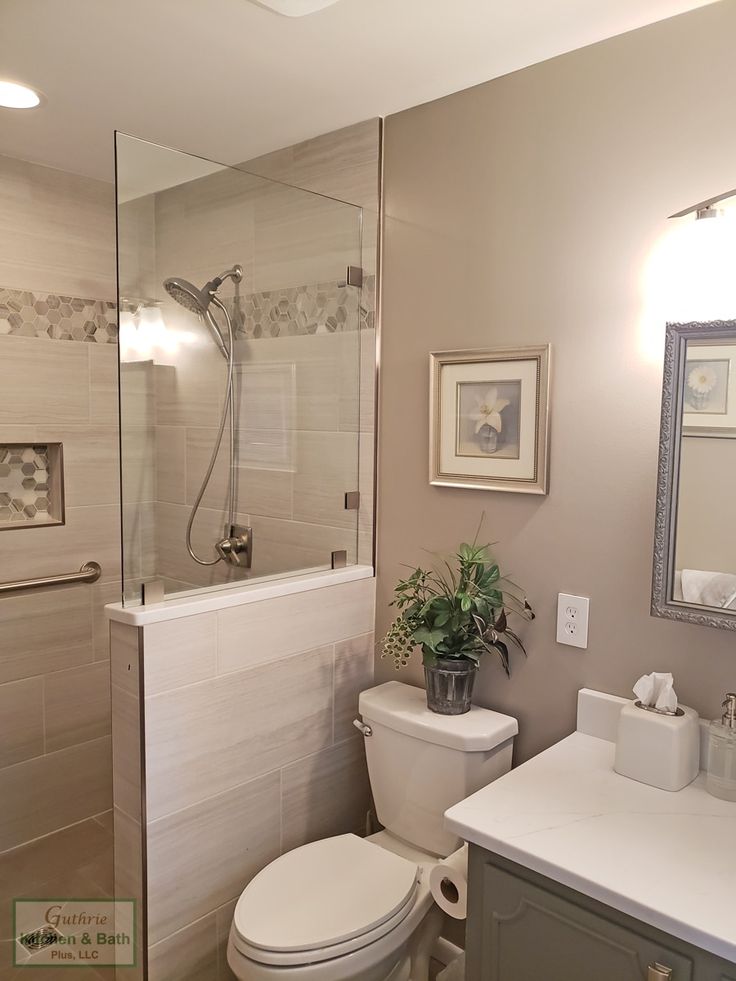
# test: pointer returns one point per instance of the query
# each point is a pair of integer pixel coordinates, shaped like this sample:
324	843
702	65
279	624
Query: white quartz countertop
668	859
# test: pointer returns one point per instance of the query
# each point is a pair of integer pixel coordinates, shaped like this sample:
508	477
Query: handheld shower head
187	295
198	301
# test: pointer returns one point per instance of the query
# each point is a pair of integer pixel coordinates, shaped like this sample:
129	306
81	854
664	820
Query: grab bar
90	572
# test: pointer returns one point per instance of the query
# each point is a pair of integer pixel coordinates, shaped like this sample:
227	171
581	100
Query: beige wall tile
199	444
103	383
325	794
206	738
187	955
291	546
52	791
204	855
171	464
77	705
139	471
21	721
179	652
279	627
58	231
258	490
33	395
91	463
327	467
125	657
102	594
126	753
343	164
353	674
46	630
89	533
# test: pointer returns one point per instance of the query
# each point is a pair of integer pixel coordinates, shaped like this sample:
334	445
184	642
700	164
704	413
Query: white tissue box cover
660	750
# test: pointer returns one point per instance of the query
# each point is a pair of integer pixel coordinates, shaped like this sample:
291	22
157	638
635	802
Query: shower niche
31	485
246	375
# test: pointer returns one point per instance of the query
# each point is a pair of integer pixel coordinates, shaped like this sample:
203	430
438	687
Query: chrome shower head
198	301
187	295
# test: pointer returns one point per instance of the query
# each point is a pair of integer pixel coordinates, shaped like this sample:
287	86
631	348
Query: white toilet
359	909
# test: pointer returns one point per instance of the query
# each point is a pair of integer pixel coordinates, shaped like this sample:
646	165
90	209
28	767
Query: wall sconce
700	283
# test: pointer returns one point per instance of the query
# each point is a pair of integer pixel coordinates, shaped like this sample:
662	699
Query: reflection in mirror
695	544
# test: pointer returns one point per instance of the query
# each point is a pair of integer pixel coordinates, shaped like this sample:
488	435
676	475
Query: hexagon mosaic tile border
317	308
56	317
25	485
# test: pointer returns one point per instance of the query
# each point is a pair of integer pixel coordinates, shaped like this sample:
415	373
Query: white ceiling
230	80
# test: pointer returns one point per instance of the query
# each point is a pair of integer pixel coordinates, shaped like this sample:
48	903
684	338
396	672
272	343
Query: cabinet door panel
529	933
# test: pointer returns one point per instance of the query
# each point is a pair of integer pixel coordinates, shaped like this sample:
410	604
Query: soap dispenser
721	780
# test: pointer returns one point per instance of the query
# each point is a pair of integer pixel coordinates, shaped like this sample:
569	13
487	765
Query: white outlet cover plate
572	620
294	8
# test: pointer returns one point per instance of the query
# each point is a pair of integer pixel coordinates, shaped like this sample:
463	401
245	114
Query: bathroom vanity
580	874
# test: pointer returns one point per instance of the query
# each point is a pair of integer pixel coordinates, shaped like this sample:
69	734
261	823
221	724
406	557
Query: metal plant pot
450	686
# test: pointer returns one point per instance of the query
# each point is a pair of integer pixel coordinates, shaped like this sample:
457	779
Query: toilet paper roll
448	883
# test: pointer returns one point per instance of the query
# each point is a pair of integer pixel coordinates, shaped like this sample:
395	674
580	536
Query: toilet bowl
359	909
367	914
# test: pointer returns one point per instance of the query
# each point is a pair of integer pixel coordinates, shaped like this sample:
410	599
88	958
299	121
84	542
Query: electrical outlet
572	620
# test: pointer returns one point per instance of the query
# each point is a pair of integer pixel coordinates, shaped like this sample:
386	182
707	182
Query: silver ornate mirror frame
665	531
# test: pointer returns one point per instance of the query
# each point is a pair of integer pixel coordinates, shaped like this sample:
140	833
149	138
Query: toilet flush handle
366	730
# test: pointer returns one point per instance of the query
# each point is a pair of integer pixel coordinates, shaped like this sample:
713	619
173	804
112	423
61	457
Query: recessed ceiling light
13	95
294	8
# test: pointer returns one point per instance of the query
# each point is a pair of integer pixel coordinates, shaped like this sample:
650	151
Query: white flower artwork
489	419
706	386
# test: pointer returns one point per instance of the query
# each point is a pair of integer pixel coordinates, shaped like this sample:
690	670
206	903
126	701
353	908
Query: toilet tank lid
403	708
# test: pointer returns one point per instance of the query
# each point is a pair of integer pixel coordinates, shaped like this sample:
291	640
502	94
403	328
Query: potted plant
456	611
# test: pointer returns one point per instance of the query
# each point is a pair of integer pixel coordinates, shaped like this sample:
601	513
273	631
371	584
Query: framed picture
489	419
709	391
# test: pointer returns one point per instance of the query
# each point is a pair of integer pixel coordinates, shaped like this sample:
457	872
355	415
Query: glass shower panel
207	253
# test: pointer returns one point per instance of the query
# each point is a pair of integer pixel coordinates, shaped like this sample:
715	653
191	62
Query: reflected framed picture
489	419
709	391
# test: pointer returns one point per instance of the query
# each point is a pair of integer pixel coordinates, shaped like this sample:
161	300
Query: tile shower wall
249	751
57	385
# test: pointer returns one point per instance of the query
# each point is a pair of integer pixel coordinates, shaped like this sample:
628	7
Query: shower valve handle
237	548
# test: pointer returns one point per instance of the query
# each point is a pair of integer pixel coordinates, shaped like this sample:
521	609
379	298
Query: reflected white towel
716	589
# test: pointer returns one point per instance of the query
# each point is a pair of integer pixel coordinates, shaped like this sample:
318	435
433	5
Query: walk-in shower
255	428
236	547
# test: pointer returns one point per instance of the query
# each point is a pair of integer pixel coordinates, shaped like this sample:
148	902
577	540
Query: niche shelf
31	485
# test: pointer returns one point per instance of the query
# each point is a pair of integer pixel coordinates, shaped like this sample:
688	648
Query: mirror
695	538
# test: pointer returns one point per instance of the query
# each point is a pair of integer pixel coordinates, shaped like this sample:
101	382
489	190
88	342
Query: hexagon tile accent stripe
24	484
57	318
314	309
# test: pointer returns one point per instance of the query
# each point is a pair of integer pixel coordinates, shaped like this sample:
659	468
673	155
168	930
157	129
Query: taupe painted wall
523	211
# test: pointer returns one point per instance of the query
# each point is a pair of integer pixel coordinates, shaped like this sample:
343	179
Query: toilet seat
323	900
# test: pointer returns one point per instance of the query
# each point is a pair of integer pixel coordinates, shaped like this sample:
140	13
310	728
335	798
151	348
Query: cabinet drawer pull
658	972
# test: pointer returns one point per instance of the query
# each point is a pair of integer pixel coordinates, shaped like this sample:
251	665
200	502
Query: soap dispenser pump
721	781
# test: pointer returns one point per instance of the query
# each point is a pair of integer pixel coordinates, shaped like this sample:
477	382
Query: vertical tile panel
204	855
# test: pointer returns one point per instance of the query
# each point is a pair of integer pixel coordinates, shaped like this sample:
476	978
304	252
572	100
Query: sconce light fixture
705	209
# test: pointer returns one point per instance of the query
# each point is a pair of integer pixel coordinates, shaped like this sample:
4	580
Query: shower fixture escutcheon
237	546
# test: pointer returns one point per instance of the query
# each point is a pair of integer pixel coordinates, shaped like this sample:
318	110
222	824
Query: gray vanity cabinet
524	927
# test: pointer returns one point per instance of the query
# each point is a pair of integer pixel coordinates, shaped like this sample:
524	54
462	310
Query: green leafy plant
457	609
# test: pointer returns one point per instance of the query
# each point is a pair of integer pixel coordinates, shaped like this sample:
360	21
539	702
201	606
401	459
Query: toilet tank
421	763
